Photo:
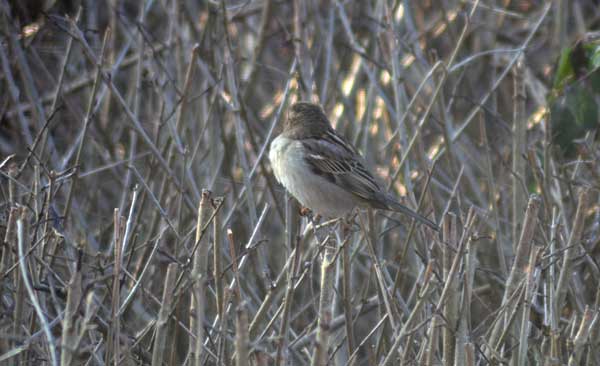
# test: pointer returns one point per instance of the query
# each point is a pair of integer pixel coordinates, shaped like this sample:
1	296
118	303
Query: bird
323	171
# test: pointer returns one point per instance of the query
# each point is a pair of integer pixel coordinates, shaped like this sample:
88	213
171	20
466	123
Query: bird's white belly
310	189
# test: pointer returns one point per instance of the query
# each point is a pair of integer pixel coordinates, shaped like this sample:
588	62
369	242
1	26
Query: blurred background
118	117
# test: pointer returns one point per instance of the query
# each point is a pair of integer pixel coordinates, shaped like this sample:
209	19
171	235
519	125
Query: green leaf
594	55
582	104
564	71
594	81
564	129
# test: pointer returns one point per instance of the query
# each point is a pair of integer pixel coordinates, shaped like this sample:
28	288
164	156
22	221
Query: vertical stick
218	264
574	239
114	333
530	291
518	270
347	273
199	273
160	339
241	337
30	292
518	148
69	341
320	354
450	308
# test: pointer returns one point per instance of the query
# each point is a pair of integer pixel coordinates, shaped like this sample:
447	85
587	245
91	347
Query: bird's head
306	118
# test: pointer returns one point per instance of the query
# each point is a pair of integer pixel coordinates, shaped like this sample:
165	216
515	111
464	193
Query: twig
32	295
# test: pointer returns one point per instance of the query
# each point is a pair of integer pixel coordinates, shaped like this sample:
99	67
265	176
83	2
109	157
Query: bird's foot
305	212
350	222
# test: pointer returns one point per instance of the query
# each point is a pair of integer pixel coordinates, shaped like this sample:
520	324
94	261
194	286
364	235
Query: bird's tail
396	206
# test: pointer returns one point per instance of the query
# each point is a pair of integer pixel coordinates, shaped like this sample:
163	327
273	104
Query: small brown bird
323	171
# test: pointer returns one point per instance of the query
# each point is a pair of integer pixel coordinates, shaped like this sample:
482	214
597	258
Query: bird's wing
333	158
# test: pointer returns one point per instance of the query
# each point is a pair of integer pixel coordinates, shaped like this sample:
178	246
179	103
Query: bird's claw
305	212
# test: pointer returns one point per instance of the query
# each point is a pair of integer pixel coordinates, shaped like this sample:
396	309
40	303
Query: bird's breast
287	158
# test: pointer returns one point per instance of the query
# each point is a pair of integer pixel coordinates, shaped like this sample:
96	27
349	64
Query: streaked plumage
323	171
